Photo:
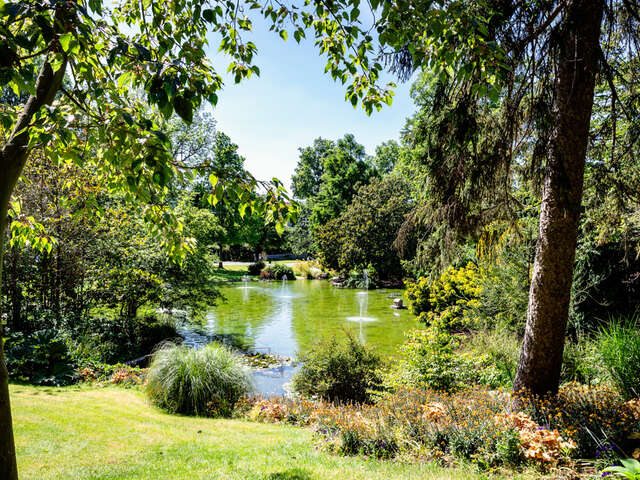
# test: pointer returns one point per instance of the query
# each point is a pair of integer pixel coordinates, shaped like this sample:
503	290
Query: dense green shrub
255	268
447	301
504	294
41	357
619	346
309	270
338	371
120	339
207	381
417	294
434	359
277	271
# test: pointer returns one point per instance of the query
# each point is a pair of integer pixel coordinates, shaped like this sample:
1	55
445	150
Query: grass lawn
112	433
232	272
229	273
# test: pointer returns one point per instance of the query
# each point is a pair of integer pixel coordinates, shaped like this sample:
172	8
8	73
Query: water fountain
245	282
363	302
284	291
365	282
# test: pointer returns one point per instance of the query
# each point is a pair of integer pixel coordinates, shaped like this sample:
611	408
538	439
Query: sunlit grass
229	273
80	433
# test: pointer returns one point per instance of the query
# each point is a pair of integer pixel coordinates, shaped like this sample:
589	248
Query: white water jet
283	288
245	282
363	302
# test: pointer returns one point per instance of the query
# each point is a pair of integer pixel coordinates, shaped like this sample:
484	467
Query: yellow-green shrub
447	301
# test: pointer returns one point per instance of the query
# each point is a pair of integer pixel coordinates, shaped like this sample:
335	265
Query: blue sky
293	102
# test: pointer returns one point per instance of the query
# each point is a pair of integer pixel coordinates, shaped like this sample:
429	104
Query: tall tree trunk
13	157
8	466
15	293
549	295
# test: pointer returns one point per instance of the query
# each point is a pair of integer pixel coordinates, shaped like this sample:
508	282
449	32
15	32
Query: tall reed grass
207	381
619	346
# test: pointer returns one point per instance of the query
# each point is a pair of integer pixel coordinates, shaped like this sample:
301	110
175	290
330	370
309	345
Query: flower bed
477	425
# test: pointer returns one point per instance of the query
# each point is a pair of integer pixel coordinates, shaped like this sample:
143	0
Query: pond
286	318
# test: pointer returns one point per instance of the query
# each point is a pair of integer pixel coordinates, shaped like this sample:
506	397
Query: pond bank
286	318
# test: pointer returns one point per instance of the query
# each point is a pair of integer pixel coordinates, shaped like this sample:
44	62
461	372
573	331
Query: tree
363	233
542	350
387	154
345	168
299	238
89	83
513	92
305	182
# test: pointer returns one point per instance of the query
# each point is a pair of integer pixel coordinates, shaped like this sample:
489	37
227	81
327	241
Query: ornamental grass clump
207	381
619	346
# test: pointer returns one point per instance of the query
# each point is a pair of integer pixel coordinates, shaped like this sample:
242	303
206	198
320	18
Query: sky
292	103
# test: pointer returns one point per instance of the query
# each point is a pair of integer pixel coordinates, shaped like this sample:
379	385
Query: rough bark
8	466
16	294
549	295
12	160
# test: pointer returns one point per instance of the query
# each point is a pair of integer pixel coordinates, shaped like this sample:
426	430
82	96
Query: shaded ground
111	433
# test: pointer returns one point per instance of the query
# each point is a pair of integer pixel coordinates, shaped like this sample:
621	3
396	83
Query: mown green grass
229	273
110	433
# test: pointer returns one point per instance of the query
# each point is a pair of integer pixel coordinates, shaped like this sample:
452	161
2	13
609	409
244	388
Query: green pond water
287	318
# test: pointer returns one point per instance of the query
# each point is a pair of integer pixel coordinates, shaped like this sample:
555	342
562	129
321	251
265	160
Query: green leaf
209	15
183	108
631	463
242	209
494	94
65	40
283	34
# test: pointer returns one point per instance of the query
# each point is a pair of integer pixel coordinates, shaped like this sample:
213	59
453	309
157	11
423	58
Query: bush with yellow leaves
447	301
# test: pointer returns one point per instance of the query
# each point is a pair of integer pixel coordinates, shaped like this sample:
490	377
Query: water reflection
285	318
